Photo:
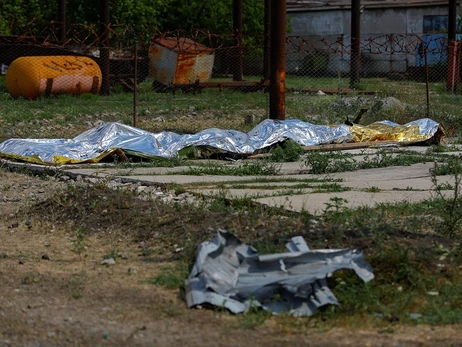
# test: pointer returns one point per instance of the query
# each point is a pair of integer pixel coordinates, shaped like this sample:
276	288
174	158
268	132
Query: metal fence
188	81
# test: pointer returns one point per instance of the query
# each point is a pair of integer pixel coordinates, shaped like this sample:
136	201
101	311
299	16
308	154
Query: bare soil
50	295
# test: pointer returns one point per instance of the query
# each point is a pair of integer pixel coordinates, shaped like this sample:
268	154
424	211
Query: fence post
278	60
267	41
135	83
62	20
427	88
104	46
237	33
355	59
453	49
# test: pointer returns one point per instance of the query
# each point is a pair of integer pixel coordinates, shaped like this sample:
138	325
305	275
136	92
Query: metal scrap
230	274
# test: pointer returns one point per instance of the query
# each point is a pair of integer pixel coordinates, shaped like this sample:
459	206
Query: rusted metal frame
237	64
278	60
104	46
62	20
267	41
355	59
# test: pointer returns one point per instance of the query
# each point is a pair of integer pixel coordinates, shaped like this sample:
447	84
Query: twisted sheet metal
228	273
96	143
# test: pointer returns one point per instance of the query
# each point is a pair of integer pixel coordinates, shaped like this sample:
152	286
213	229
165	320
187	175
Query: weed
171	277
263	168
451	208
287	151
373	189
79	241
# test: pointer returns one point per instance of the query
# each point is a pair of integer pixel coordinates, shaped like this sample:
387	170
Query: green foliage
249	168
79	241
450	207
171	277
286	152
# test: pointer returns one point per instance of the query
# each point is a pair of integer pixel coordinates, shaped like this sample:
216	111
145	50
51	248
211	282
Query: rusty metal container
29	77
180	61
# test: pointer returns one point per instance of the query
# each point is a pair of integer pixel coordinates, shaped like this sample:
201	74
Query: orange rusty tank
29	77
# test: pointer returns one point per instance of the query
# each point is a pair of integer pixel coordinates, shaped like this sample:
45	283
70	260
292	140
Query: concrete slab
316	203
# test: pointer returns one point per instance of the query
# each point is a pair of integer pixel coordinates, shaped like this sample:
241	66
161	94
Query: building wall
330	31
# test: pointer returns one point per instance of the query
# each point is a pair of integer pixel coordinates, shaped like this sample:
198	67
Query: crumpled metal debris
231	274
99	142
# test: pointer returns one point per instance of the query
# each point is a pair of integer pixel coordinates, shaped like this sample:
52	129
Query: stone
109	261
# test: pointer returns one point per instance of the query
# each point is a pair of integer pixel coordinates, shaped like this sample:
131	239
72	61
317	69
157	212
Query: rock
415	315
158	119
21	261
51	334
109	261
45	257
64	178
386	104
98	122
140	189
88	124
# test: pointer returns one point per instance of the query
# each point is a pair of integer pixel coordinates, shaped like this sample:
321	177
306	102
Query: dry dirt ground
53	295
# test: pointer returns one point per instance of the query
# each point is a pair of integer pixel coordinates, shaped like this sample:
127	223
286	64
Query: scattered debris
231	274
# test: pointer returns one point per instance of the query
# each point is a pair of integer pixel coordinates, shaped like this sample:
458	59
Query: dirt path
50	296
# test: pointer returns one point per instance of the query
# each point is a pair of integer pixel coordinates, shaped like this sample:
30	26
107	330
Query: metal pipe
267	42
237	33
104	46
452	20
355	60
278	60
62	20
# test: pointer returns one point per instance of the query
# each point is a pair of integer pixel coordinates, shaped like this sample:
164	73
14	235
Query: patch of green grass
171	277
322	163
247	169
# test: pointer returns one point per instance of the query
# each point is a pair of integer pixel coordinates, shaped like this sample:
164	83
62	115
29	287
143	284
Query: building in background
394	35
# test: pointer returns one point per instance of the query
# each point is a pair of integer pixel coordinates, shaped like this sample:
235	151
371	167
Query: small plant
288	151
451	208
79	241
171	277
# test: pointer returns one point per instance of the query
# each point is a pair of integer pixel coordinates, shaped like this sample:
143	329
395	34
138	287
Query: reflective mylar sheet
96	143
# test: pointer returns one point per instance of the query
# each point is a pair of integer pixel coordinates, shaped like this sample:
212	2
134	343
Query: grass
66	116
404	243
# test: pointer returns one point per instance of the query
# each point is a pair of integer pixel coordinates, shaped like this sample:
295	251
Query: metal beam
355	59
278	60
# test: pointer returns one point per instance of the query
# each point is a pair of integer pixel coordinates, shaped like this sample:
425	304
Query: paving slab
316	203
